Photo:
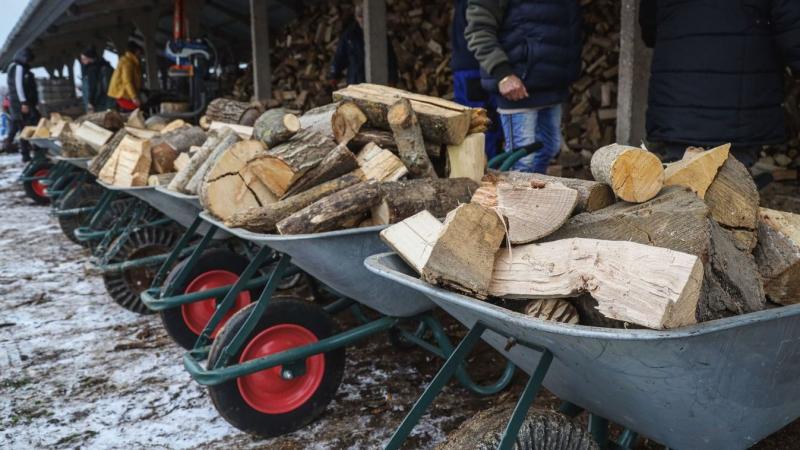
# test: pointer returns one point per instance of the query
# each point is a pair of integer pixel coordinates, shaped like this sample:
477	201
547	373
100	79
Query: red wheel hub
196	315
38	187
267	391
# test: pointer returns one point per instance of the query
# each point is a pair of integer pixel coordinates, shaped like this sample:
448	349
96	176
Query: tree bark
635	175
342	209
182	139
264	219
733	200
337	163
385	140
110	120
275	127
185	174
410	143
592	195
778	255
164	158
403	199
105	152
232	111
227	138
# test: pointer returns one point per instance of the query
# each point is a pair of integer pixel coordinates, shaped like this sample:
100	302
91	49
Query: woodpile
698	249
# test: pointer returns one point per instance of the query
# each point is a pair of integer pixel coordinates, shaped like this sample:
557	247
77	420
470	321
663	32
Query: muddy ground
77	371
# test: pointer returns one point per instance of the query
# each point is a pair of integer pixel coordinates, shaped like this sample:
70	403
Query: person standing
126	82
95	81
350	57
530	53
717	74
23	98
467	88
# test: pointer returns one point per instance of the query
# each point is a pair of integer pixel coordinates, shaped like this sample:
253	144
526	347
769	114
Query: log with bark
105	152
275	127
164	157
263	219
679	220
658	288
197	160
697	171
442	121
110	120
408	137
283	165
346	121
403	199
778	255
232	111
319	120
229	185
343	209
733	200
592	195
226	139
182	139
243	131
385	140
635	175
335	164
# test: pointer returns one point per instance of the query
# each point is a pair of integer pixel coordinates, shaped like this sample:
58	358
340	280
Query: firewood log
197	160
335	164
346	121
380	165
182	161
130	164
468	159
778	255
635	175
109	120
93	135
275	127
697	172
733	200
592	195
164	157
232	111
182	139
650	286
552	309
413	238
226	139
385	140
263	219
408	136
342	209
162	179
403	199
105	152
136	119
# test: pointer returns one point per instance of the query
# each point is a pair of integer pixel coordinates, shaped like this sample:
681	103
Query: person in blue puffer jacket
529	53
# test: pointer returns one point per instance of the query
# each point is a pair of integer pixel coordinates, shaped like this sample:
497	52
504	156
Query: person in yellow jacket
126	82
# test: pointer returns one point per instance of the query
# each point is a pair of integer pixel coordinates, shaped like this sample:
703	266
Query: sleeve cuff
501	71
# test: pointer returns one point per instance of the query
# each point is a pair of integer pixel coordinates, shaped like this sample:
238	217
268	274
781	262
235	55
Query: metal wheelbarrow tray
51	145
81	163
724	384
336	258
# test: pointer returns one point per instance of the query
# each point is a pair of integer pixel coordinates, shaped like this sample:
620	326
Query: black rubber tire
80	196
214	259
28	185
115	210
228	400
541	430
125	287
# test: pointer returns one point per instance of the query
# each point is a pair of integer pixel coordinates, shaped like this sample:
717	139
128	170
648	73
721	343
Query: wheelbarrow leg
598	426
136	216
570	410
436	385
627	439
173	256
525	401
111	233
101	208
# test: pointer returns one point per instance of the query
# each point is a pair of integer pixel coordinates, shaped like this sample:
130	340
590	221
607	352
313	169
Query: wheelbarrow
724	384
78	195
37	173
278	362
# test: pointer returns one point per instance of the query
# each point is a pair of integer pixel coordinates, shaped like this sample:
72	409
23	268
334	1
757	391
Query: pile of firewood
686	243
376	156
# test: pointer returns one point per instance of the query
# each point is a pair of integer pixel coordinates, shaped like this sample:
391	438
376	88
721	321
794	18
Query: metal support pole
376	43
259	32
147	26
634	77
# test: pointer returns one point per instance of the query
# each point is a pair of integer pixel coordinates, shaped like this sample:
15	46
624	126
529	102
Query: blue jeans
467	91
523	129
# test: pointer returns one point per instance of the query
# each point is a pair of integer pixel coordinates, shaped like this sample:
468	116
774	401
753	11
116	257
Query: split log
592	195
275	127
346	122
697	172
185	174
232	111
342	209
442	121
409	140
319	120
285	164
229	185
164	158
533	210
172	126
778	255
649	286
93	135
42	129
263	219
413	238
468	159
182	139
733	200
136	119
226	139
27	132
380	165
142	133
58	128
105	152
162	179
110	120
73	148
335	164
635	175
552	309
403	199
244	132
130	164
463	255
679	220
182	161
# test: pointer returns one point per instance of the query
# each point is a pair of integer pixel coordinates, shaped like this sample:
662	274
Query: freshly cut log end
778	255
592	195
697	171
463	256
413	238
635	175
275	127
346	122
649	286
535	212
552	309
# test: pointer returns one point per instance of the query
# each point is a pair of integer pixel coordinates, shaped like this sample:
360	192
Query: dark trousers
17	124
672	151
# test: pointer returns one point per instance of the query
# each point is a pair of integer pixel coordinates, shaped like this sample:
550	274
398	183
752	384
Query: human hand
25	108
512	88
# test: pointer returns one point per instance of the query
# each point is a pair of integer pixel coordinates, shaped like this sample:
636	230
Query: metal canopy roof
57	30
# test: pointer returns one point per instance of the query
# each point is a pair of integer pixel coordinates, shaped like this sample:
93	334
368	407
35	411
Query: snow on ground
77	371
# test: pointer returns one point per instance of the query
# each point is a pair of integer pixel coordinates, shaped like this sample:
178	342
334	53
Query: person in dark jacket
95	79
530	53
718	73
350	57
24	97
467	88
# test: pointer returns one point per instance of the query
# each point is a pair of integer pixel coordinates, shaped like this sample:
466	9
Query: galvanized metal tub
724	384
51	145
81	163
336	258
